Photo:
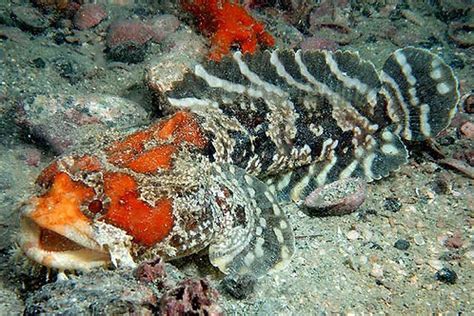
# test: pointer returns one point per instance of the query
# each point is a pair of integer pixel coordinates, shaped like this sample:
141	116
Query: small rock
454	242
446	275
467	130
469	104
97	292
352	235
377	271
450	256
402	244
419	240
239	287
30	19
152	271
61	121
39	62
392	204
89	15
442	183
435	264
191	297
337	198
126	40
163	26
183	50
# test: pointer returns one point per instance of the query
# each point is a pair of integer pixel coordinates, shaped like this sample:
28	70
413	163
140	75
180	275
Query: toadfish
246	138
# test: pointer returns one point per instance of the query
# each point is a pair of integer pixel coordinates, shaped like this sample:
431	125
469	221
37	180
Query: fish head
94	209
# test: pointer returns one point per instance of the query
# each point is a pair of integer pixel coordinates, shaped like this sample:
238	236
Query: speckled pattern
343	264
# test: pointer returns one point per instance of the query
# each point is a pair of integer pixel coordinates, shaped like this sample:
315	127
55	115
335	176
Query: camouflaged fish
248	135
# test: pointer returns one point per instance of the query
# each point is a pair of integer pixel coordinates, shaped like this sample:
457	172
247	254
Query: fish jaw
56	234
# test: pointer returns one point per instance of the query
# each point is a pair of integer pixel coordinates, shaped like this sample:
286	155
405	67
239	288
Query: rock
442	183
377	271
353	234
239	287
163	26
39	62
453	9
337	198
152	271
435	264
402	244
89	15
61	121
392	204
126	40
30	19
97	292
419	240
182	51
446	275
468	103
454	242
467	130
191	297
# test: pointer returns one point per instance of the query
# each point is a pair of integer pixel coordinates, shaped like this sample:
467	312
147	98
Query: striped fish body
196	180
301	120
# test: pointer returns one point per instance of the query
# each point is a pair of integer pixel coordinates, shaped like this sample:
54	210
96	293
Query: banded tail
423	93
301	120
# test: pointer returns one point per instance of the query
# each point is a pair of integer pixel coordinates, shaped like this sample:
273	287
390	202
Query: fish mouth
60	245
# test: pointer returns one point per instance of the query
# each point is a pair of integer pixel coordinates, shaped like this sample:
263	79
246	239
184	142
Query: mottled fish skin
248	135
301	120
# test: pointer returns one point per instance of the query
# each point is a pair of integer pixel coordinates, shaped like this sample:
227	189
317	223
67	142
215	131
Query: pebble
126	40
402	244
435	264
392	204
39	62
89	15
467	130
469	104
419	240
191	297
377	271
455	241
442	183
163	26
30	19
446	275
352	235
183	50
337	198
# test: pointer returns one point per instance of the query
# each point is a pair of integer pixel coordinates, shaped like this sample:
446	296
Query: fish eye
95	206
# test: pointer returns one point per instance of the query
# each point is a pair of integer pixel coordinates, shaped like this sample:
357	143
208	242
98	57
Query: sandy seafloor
344	264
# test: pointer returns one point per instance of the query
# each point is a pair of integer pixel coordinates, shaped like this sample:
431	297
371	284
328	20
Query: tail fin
422	92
